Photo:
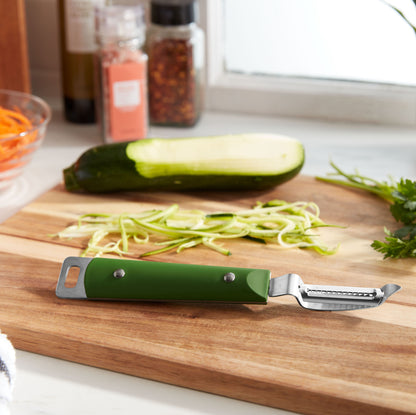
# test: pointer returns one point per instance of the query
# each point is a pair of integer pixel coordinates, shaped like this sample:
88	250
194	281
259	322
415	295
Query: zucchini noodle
289	225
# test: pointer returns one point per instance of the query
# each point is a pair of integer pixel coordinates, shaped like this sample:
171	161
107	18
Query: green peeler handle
107	278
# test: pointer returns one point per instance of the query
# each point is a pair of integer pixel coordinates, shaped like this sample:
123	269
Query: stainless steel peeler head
327	297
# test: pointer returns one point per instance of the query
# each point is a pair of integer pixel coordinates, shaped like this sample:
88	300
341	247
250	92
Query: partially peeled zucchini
228	162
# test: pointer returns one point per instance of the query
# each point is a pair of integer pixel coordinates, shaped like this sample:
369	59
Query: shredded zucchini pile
287	224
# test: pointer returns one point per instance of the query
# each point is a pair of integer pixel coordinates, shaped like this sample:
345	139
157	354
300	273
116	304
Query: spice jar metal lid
173	12
119	22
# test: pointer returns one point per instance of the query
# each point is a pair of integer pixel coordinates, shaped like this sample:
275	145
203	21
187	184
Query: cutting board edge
277	395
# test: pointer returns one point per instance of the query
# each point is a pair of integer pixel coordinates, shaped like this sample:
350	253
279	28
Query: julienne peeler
123	279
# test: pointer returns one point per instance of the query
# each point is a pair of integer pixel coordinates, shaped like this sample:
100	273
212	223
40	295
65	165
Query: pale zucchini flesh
243	154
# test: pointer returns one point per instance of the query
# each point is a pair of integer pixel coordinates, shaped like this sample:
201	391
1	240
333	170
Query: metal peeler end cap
388	290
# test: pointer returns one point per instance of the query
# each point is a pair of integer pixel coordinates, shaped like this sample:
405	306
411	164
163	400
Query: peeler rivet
229	277
119	273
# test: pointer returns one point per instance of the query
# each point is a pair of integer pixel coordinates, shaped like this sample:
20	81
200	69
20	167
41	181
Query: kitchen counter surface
50	386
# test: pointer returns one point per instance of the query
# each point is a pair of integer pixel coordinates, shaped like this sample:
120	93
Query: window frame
330	100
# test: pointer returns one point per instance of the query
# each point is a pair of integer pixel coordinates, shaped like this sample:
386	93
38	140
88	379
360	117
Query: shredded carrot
13	141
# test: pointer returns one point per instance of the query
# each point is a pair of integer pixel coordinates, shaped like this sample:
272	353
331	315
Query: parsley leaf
404	206
397	247
402	196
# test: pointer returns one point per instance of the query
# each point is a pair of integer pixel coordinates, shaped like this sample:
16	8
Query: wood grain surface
280	355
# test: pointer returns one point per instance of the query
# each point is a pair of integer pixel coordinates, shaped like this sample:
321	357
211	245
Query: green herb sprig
401	14
402	198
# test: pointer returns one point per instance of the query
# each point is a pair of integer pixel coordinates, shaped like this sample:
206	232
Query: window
330	39
333	59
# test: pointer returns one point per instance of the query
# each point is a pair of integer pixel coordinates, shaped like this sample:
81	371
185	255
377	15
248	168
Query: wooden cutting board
280	355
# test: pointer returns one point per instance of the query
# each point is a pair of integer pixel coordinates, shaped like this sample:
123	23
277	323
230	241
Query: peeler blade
327	297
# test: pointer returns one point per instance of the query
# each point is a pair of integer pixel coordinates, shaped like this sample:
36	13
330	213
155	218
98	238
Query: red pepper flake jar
121	73
175	46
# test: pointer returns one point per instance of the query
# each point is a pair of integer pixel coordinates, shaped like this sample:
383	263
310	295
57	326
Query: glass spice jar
121	73
175	46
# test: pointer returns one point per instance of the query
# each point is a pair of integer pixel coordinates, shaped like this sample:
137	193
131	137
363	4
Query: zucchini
228	162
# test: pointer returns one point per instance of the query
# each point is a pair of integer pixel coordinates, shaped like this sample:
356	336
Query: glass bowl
23	122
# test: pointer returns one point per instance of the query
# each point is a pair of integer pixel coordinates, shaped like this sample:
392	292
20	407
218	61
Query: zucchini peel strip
288	225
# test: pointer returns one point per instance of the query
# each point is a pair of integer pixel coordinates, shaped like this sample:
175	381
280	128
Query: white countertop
50	386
